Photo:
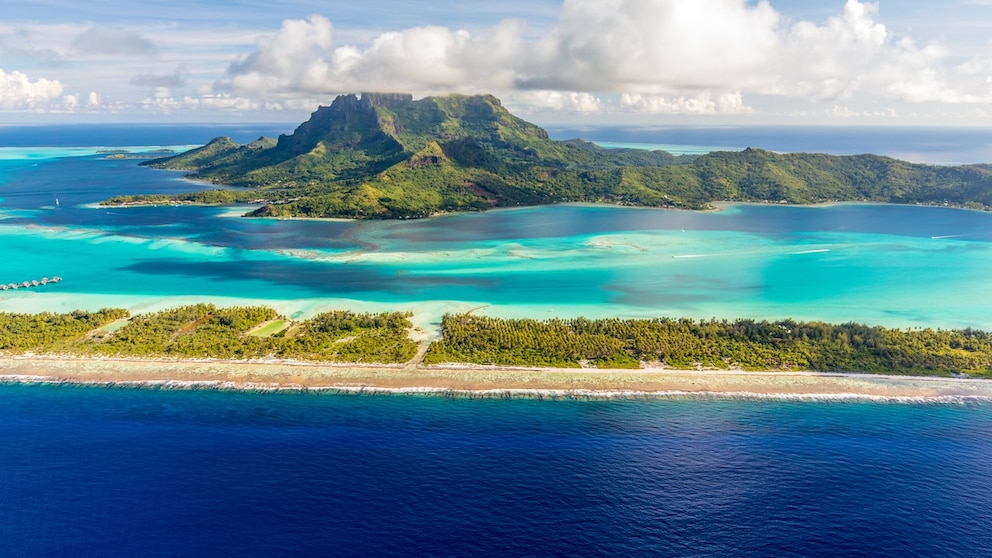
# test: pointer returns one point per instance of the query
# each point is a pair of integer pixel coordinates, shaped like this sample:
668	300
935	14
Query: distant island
388	156
125	154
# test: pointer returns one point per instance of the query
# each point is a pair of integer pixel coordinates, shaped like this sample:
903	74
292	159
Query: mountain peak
386	155
387	100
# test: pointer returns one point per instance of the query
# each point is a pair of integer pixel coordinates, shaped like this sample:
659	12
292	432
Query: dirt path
418	358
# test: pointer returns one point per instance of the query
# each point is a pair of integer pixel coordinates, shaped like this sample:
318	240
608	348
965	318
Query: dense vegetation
48	332
388	156
204	331
685	343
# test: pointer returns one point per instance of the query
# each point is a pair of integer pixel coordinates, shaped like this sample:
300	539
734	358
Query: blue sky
916	62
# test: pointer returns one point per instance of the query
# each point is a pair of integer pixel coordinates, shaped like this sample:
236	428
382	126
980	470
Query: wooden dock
28	284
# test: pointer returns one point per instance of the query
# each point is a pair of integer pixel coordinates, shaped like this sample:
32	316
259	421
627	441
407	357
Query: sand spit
490	382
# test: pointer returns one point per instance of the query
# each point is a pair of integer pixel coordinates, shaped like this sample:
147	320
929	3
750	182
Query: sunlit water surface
891	265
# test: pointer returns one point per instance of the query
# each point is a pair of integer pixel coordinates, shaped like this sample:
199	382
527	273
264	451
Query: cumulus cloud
18	91
644	46
302	57
294	59
658	56
575	102
113	41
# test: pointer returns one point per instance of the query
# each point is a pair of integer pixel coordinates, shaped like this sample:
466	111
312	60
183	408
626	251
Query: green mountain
388	156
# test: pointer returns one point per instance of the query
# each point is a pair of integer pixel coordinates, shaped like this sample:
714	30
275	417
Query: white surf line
947	236
684	256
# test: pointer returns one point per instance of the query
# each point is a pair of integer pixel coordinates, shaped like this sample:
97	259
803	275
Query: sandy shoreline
496	382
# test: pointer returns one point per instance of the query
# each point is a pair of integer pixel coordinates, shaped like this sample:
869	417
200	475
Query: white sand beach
487	380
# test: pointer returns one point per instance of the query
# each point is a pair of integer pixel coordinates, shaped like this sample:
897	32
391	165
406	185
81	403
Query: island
388	156
254	348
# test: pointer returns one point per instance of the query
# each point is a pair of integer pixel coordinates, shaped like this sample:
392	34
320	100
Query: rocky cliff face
386	100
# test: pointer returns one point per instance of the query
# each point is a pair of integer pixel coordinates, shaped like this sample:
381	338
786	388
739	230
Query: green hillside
388	156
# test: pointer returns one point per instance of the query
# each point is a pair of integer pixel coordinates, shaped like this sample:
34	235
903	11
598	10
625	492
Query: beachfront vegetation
49	332
194	331
388	156
205	331
348	337
711	344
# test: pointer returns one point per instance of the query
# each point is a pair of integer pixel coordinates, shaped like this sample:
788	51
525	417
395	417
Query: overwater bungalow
32	283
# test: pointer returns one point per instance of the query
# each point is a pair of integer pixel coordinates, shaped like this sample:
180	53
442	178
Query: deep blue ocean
95	471
126	472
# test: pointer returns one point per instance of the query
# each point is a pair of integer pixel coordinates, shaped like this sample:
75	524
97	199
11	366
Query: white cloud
18	91
291	60
699	104
660	46
838	111
658	56
662	56
606	57
302	58
575	102
162	102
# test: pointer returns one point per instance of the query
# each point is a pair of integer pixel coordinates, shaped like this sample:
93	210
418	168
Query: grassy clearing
268	329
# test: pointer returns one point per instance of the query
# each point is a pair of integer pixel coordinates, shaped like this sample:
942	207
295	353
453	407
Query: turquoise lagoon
901	266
